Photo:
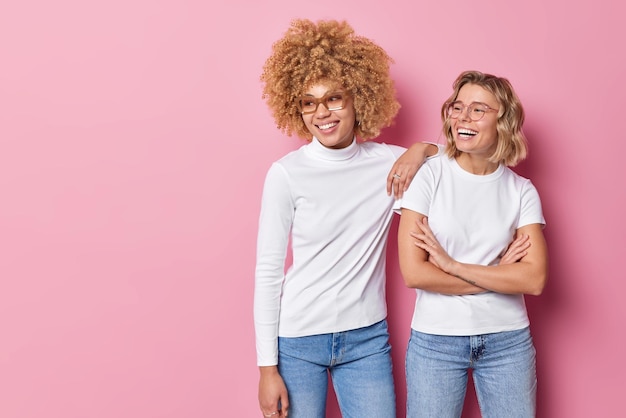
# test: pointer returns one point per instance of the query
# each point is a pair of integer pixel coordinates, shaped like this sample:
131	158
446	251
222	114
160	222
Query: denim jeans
503	367
359	363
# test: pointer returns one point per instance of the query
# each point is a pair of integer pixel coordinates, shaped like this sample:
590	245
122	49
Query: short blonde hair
329	51
512	146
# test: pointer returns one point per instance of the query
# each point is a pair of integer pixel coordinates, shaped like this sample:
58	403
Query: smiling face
333	129
478	138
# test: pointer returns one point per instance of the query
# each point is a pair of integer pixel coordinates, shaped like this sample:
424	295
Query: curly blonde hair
330	52
512	147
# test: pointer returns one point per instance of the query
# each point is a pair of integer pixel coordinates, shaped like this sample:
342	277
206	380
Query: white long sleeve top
333	206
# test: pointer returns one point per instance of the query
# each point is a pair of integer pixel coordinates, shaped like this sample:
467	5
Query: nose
465	113
322	110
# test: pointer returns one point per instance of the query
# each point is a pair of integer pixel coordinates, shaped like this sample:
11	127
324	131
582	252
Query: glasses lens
455	109
307	104
475	111
334	101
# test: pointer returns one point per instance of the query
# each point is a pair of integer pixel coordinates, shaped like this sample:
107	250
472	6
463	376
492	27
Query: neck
479	166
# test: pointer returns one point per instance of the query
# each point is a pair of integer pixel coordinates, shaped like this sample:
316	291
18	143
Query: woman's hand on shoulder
406	166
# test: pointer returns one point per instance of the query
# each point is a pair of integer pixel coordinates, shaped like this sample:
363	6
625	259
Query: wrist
454	269
268	370
432	150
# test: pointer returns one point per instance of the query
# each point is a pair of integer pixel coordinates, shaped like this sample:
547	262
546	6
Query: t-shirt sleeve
531	210
419	194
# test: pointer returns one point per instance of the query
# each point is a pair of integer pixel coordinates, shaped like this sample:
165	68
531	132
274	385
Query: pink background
133	146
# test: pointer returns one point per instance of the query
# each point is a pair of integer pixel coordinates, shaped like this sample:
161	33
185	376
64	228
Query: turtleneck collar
317	150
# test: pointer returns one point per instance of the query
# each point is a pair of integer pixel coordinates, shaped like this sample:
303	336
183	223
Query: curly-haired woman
333	199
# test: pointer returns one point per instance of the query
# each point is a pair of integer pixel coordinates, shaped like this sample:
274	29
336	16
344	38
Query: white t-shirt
335	205
474	218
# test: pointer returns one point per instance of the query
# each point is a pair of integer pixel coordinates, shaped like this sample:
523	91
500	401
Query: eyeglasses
475	110
332	101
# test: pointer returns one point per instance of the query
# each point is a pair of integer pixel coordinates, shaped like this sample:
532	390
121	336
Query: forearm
527	276
266	317
419	151
516	278
428	149
269	278
426	276
420	273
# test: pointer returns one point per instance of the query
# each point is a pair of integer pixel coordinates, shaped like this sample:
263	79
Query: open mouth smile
466	133
327	125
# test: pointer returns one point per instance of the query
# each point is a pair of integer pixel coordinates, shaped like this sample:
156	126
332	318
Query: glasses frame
322	100
469	114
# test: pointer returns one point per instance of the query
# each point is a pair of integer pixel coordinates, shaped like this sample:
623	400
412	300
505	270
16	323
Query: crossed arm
426	265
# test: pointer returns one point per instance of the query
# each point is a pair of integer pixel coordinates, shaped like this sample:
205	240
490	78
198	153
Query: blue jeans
503	367
359	363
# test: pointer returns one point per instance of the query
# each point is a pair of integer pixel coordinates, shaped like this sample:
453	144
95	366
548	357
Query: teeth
466	132
327	126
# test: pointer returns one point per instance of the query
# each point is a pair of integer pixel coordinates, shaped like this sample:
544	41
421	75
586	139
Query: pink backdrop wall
133	146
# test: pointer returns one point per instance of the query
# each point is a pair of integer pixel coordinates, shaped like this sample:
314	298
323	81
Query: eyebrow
474	102
325	94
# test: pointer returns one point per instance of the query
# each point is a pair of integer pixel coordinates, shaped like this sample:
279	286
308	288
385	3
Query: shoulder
437	162
521	186
292	157
285	164
381	148
519	181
